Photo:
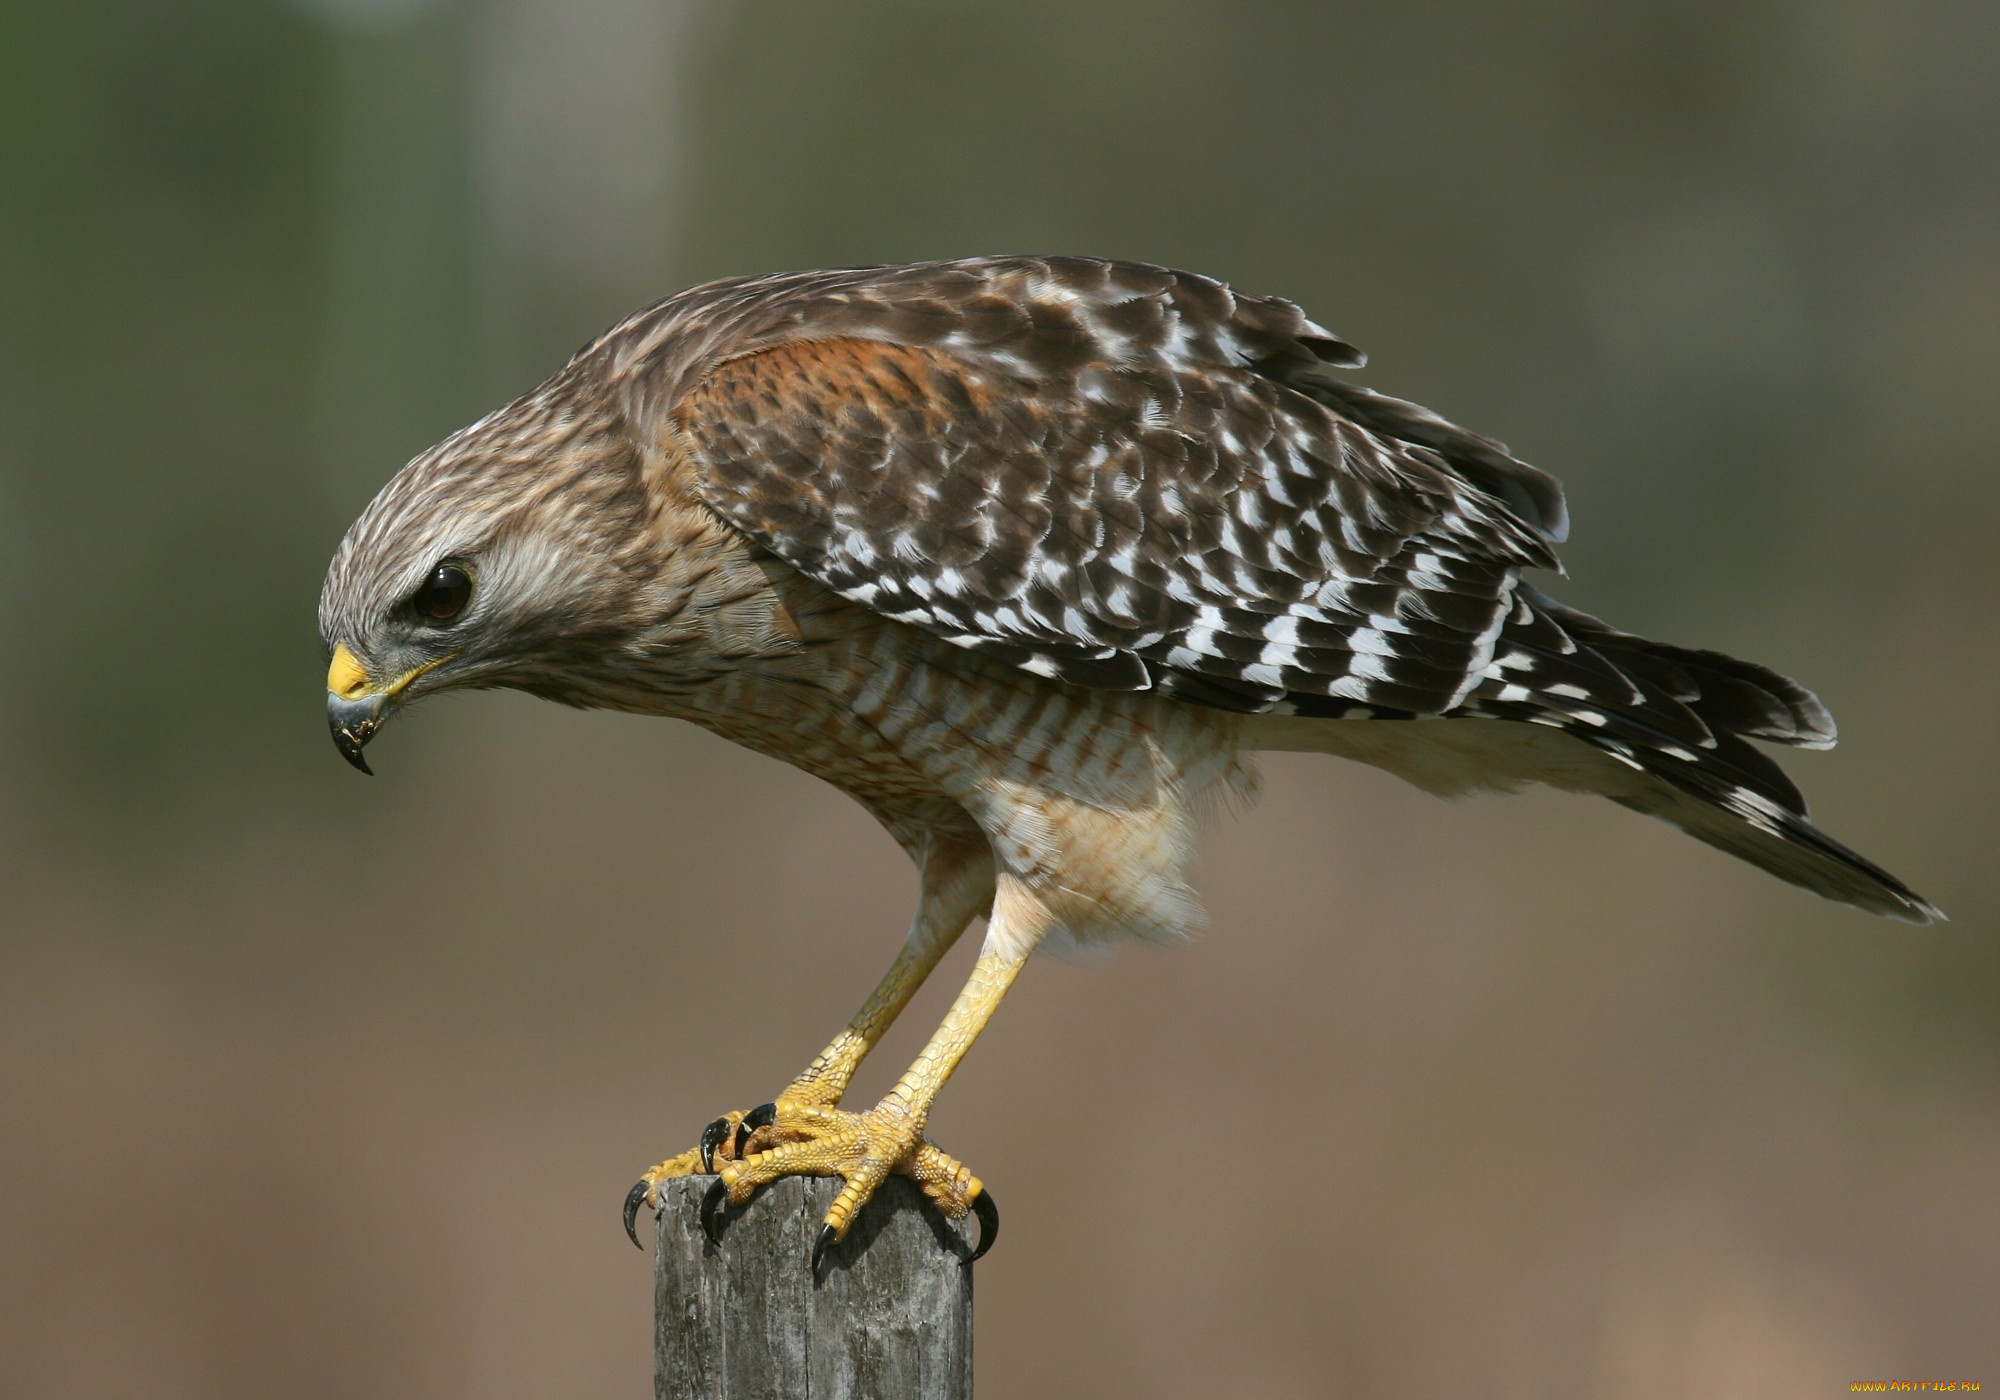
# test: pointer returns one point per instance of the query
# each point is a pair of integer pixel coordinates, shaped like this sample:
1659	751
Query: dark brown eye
444	594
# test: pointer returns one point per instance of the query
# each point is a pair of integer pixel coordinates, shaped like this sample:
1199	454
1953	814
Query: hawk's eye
444	594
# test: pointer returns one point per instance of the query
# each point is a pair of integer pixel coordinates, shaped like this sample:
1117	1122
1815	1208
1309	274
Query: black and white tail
1664	730
1681	718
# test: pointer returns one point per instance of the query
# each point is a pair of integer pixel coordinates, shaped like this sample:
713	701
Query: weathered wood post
890	1314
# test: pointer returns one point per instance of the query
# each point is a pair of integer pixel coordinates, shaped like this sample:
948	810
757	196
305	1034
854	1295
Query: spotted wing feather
1100	472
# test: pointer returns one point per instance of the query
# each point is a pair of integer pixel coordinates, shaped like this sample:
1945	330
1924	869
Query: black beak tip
352	727
350	747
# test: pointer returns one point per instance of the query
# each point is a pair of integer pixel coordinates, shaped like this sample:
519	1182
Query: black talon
711	1138
634	1198
762	1116
826	1238
989	1223
713	1204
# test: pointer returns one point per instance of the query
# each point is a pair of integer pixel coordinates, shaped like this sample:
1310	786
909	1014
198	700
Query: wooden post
890	1314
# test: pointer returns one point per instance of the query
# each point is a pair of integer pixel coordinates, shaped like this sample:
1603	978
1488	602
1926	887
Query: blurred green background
316	1086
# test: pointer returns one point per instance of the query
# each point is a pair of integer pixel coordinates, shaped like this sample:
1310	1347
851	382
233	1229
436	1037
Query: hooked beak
356	707
352	722
354	711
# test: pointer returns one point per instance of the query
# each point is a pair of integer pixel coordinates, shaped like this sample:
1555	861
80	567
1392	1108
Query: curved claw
634	1198
820	1246
713	1203
989	1224
711	1138
762	1116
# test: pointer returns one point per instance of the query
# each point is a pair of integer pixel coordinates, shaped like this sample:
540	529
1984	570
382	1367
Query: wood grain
889	1316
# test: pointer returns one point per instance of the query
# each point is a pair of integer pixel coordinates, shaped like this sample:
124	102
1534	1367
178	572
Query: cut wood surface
890	1314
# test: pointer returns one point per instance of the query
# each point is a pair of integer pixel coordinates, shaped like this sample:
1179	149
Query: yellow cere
345	677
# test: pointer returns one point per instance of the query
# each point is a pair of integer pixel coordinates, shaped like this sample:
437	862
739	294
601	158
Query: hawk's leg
864	1148
826	1079
957	888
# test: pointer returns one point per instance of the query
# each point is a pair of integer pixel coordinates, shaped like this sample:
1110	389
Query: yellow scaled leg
864	1148
957	888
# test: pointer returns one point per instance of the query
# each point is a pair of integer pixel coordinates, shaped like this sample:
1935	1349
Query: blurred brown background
316	1086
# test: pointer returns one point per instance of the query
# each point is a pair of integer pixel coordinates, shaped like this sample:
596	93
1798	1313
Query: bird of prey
1028	555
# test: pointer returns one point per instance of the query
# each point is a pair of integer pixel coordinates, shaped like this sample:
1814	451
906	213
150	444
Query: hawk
1029	555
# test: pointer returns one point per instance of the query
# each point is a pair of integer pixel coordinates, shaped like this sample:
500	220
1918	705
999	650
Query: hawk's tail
1677	720
1663	730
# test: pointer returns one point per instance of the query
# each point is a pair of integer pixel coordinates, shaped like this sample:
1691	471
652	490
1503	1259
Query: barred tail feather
1785	843
1729	696
1577	705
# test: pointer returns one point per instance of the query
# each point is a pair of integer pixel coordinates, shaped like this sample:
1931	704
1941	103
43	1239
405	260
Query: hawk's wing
1126	477
1115	475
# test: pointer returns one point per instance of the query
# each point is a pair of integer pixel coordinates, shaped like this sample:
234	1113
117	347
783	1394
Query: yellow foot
731	1136
806	1139
801	1137
727	1137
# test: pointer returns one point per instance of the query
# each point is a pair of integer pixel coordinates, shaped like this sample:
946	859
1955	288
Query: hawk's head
507	555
